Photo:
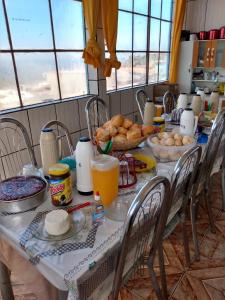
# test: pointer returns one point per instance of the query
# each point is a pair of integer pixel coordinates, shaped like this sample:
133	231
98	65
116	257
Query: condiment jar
60	184
160	123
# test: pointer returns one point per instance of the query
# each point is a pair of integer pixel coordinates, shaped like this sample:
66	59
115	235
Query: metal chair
15	148
62	132
143	230
141	97
96	112
15	152
182	182
202	183
169	102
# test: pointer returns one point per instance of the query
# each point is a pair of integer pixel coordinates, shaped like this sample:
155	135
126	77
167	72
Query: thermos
149	112
182	101
214	99
188	122
196	104
84	153
49	149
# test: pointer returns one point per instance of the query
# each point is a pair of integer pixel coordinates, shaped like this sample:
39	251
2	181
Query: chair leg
223	188
154	280
5	283
209	210
193	213
186	244
162	271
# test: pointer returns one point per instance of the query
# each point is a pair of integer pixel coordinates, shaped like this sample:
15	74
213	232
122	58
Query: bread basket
128	145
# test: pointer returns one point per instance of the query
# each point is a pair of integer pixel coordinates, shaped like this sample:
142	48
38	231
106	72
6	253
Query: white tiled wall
72	114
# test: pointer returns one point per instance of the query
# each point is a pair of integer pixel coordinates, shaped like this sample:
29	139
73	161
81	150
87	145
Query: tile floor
204	280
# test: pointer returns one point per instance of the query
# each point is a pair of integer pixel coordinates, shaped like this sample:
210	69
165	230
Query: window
41	46
143	43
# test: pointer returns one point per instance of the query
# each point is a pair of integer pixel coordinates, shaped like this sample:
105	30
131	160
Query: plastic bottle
98	215
149	112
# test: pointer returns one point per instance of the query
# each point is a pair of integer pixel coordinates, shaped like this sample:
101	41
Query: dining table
82	265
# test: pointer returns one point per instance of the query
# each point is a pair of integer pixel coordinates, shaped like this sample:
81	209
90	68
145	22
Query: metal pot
214	34
24	204
222	32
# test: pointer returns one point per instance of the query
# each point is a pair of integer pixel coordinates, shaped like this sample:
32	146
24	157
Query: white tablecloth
64	263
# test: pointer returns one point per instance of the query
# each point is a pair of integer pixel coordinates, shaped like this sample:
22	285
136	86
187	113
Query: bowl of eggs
170	146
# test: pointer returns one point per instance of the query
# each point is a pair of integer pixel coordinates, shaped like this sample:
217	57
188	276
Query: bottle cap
97	196
148	100
84	139
47	130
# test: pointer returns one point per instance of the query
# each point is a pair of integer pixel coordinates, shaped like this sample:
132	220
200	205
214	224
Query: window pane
30	24
153	67
139	71
166	9
111	81
125	4
156	8
8	92
124	74
69	33
72	74
37	77
154	35
141	6
124	37
165	36
163	66
4	43
140	26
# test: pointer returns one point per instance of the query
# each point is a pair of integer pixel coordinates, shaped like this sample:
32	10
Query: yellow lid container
58	169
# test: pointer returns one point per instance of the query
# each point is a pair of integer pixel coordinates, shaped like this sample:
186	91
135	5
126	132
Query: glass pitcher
105	177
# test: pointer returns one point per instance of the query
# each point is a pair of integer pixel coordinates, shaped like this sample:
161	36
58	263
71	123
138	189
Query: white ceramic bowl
168	153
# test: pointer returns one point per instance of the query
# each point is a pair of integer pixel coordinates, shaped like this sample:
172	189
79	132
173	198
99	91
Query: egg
178	143
169	141
177	136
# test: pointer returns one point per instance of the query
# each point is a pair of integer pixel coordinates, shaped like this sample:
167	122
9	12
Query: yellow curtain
92	52
110	24
177	27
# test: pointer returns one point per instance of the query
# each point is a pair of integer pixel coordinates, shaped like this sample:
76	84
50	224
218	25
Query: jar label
61	191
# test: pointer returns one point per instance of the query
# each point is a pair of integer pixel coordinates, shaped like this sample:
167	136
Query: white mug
182	101
188	122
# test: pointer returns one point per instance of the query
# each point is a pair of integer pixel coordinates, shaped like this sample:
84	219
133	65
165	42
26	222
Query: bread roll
147	130
187	140
155	140
178	137
102	134
122	130
120	138
169	141
133	134
127	123
112	130
117	120
135	126
178	143
107	124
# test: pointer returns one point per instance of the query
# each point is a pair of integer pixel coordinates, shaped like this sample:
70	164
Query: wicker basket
128	145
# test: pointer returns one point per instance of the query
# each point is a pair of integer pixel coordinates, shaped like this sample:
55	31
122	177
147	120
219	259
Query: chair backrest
169	102
182	180
62	132
96	112
143	229
15	148
213	146
141	97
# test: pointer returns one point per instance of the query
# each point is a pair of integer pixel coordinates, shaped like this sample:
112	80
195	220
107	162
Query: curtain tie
92	53
110	63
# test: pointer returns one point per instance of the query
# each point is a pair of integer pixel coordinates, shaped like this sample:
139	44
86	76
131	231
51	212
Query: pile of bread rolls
170	146
172	139
121	130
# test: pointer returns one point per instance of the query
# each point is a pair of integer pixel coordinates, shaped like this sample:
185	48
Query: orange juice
105	177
